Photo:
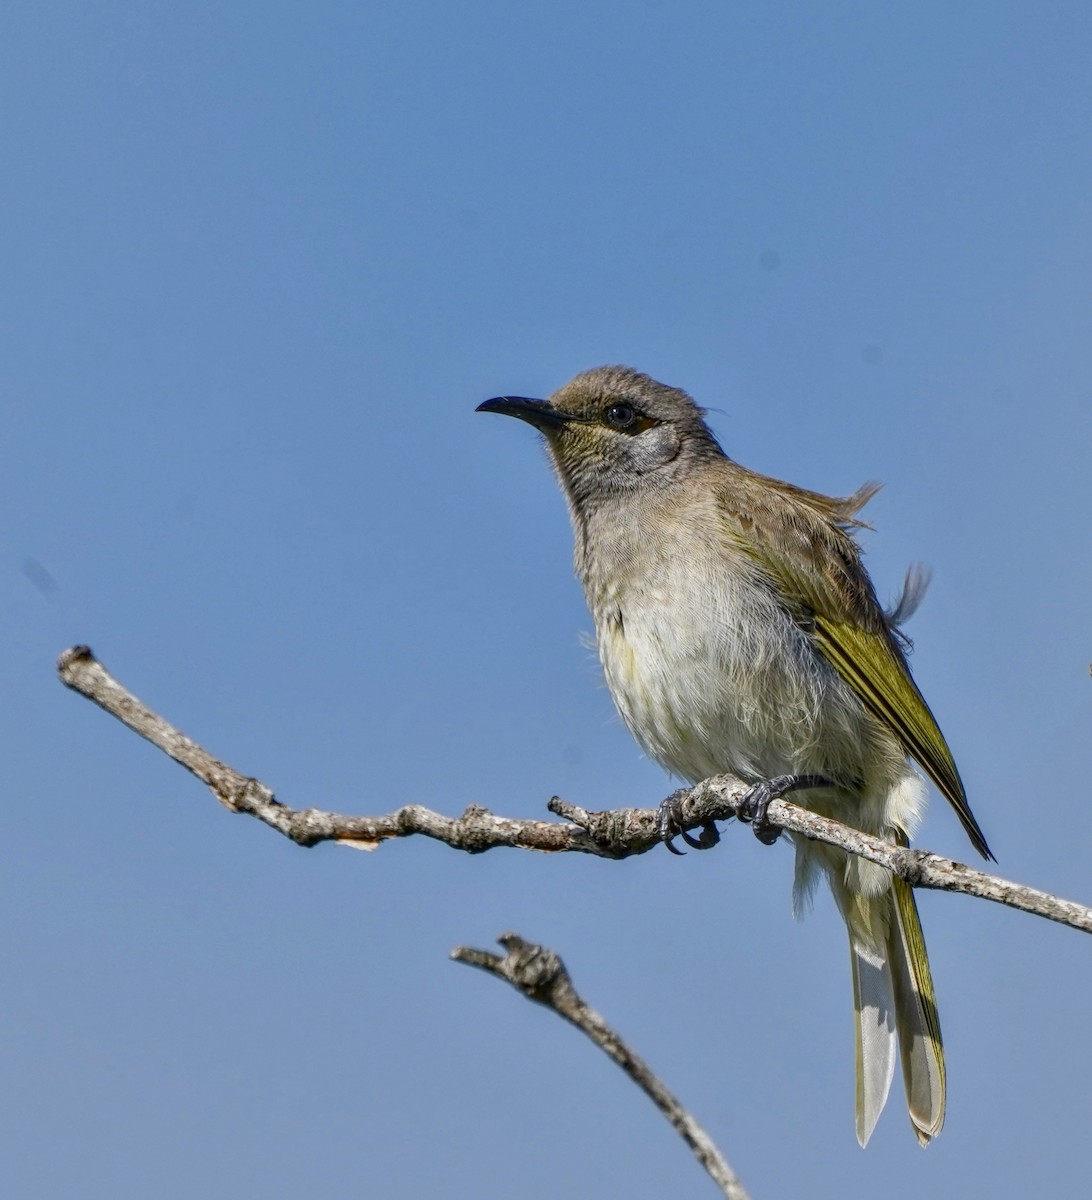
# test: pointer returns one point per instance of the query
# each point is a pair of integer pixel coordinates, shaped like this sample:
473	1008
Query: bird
740	633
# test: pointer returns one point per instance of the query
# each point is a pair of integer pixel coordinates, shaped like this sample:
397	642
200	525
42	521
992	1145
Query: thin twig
616	833
540	975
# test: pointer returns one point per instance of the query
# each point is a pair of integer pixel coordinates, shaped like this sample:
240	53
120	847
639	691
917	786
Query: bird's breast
709	671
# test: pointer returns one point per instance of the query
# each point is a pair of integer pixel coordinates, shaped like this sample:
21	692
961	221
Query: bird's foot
755	805
669	825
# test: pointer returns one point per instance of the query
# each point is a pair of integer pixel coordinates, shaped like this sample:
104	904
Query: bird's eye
621	416
626	419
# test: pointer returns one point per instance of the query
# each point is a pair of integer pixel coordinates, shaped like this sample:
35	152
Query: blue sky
260	262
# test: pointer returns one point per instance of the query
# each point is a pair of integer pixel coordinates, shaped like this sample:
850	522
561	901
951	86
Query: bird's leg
756	802
669	825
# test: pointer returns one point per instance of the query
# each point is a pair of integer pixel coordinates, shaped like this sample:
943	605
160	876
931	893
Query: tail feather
874	1007
916	1017
894	1004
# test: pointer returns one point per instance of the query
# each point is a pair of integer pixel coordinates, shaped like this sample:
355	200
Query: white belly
713	676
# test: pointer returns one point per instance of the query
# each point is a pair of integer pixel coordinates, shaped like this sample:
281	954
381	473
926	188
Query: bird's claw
753	809
670	825
755	805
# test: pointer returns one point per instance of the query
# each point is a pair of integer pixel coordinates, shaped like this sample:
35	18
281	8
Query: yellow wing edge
876	670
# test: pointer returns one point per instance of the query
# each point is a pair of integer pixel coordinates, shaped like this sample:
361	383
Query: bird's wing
874	666
802	540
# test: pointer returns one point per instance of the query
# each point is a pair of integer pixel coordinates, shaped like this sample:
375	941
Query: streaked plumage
740	633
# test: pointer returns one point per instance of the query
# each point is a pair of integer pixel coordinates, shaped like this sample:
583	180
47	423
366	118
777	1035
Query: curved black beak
539	413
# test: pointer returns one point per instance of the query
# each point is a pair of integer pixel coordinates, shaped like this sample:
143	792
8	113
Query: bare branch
541	976
617	833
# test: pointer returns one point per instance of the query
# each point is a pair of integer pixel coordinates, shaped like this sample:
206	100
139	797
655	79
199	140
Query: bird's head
612	430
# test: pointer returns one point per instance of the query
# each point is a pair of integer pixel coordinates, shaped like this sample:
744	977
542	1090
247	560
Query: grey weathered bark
616	833
541	976
535	971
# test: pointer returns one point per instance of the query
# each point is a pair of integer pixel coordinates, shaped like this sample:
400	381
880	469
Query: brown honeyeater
740	633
